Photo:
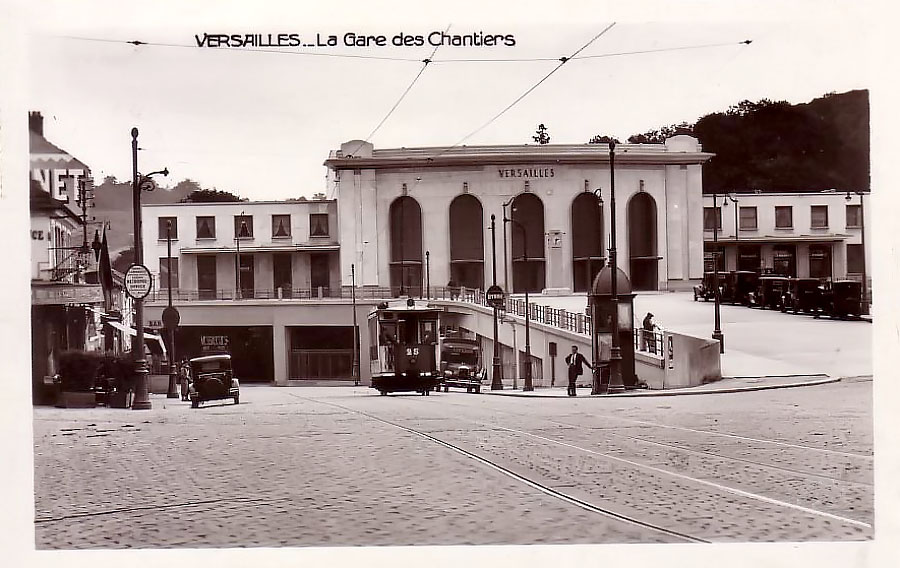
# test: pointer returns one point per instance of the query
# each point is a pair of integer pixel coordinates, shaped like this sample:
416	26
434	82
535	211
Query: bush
118	370
78	370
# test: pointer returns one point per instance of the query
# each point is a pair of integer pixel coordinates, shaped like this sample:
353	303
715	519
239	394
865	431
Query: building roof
45	155
366	157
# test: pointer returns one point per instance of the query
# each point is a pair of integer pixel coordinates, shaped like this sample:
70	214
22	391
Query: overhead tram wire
597	56
562	61
425	63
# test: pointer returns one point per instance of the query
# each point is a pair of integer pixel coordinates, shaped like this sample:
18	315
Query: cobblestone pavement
343	466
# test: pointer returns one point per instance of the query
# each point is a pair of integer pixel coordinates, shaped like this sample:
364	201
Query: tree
211	196
603	140
659	136
124	259
541	135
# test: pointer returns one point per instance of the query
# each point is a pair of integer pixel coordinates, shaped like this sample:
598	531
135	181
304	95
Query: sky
261	124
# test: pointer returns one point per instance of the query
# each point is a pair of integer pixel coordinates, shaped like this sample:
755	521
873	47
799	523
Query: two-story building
818	235
256	278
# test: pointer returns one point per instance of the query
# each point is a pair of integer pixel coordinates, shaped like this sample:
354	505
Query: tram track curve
540	487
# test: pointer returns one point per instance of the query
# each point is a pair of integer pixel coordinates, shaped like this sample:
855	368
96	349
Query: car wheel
477	390
446	389
195	403
237	400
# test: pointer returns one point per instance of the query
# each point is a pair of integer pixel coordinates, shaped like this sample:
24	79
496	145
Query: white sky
261	124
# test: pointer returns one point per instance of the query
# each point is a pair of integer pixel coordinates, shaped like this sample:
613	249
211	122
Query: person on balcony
647	329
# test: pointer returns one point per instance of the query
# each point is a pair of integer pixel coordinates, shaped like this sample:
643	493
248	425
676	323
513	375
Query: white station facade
409	217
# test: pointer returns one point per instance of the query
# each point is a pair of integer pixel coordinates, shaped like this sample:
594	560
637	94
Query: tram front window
429	334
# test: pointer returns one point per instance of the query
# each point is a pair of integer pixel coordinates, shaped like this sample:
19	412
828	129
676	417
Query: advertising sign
494	296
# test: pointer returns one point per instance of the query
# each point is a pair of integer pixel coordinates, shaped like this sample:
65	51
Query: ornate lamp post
615	353
595	347
427	276
529	386
717	332
734	200
138	183
505	248
497	371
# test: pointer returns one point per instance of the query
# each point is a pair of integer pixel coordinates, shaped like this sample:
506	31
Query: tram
403	344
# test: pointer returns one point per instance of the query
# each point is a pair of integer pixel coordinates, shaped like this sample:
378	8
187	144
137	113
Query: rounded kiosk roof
602	285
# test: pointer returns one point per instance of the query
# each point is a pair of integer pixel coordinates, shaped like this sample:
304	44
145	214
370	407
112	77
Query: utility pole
497	371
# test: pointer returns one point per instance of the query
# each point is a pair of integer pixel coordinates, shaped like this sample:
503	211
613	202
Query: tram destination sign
138	281
495	296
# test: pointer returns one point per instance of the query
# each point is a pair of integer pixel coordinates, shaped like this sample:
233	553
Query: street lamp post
237	257
427	276
725	201
615	352
354	367
172	392
506	283
142	391
596	386
529	386
717	332
497	371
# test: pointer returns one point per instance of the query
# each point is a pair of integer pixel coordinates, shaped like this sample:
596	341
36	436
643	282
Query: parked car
212	379
743	283
770	292
707	288
843	298
805	295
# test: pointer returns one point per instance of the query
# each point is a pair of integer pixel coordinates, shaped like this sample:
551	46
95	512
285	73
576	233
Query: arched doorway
467	242
406	247
528	212
587	241
642	239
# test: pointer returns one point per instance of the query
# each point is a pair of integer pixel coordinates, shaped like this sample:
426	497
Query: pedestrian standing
647	328
575	362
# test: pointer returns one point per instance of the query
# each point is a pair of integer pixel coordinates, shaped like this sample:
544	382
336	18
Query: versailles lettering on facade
526	173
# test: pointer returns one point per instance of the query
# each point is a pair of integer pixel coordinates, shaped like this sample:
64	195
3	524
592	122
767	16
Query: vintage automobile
742	284
770	292
706	289
843	298
804	295
461	364
212	379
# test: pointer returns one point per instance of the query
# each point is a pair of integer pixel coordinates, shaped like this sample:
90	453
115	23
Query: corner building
411	215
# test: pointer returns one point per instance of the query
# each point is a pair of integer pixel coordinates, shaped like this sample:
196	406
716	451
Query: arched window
406	246
587	241
527	213
642	239
467	242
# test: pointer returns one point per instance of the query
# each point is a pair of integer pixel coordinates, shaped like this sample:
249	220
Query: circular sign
495	296
138	281
170	317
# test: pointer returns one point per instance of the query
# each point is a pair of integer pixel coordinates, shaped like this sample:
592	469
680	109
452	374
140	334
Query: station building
414	215
800	234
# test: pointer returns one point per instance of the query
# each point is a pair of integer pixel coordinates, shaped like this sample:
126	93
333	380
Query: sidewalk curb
679	392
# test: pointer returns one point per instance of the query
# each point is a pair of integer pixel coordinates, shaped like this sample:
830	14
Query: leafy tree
598	139
124	259
211	196
659	136
541	135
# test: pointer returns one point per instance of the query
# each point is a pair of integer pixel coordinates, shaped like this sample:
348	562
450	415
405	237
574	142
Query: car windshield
461	358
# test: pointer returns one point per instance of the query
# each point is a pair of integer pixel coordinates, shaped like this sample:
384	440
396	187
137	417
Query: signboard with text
138	281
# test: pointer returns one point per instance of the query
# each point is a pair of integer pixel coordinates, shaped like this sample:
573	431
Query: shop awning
148	337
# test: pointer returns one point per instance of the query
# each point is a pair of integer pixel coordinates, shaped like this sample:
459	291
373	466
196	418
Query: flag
106	278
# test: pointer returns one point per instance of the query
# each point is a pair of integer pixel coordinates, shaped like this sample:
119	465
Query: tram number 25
412	351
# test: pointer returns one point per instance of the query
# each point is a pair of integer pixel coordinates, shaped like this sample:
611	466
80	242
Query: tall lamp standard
862	234
138	183
529	386
427	276
734	200
616	385
505	259
595	347
172	392
354	366
497	374
717	332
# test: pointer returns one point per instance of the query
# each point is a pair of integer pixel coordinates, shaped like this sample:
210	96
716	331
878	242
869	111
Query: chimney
36	122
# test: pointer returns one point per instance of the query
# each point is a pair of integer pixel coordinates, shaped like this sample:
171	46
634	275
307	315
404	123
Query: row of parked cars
834	298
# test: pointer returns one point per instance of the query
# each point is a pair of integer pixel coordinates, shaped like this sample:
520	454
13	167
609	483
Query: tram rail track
540	487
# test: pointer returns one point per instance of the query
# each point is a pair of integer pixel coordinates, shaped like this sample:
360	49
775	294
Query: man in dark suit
575	362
